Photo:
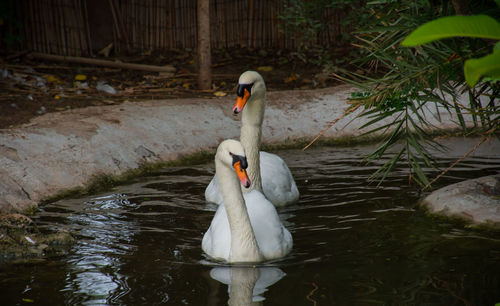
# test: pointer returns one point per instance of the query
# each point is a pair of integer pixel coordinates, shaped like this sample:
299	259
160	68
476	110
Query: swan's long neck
244	247
251	133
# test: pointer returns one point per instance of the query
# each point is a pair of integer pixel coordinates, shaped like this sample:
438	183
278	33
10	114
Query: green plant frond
475	68
386	168
383	127
460	117
417	114
480	26
422	153
416	127
420	177
392	139
407	82
375	117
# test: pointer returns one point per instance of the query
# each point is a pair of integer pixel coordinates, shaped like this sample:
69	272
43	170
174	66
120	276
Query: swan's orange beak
242	174
241	101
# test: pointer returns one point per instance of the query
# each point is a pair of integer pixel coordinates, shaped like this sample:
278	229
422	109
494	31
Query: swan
247	285
268	172
245	228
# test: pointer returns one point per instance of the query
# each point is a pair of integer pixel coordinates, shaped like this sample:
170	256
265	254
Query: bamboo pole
87	28
63	26
75	40
156	29
49	29
99	62
122	25
43	32
75	45
34	26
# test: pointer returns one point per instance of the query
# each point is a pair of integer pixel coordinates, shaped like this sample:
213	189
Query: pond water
354	243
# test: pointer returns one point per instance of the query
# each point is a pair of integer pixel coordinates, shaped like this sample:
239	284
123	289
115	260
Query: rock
477	201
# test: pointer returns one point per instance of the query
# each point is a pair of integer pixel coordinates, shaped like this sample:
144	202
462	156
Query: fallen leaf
265	68
106	50
80	77
51	79
57	97
220	94
186	85
291	78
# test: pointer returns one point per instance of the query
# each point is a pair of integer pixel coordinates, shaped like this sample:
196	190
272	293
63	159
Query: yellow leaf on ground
57	97
291	78
220	94
80	77
186	85
265	68
51	79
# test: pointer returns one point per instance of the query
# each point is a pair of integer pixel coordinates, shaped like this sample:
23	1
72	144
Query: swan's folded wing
277	181
212	192
217	240
273	238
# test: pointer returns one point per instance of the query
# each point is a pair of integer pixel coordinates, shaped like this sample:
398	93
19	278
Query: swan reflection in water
246	285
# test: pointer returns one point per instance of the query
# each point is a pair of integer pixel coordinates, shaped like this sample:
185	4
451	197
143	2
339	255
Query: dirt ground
32	87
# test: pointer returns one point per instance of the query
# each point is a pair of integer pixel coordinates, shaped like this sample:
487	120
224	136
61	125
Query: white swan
247	285
239	232
268	172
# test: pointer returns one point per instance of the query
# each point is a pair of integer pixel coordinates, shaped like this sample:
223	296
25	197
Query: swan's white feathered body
245	228
278	184
268	172
273	239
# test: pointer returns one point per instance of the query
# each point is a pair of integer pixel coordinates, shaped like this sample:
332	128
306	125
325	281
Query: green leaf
488	65
480	26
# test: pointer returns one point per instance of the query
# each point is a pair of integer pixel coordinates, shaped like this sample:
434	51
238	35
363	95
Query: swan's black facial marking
239	158
244	92
241	89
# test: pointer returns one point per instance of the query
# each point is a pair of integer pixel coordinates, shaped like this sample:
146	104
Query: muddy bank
20	240
64	150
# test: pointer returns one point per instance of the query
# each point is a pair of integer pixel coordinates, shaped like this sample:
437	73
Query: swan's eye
240	159
241	89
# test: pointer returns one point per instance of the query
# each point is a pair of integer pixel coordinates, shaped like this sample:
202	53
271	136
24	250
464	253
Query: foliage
479	26
303	21
402	84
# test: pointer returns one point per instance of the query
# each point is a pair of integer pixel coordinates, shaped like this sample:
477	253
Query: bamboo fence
62	26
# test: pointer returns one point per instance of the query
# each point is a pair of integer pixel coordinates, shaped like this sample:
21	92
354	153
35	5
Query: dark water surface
354	243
